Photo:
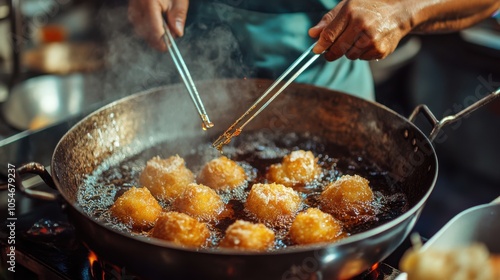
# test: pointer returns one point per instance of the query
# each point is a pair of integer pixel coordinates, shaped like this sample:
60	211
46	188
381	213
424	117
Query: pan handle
32	168
437	125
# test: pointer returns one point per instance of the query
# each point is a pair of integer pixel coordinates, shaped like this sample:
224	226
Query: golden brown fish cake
348	199
199	201
297	168
137	208
272	203
314	226
244	235
166	178
181	229
222	174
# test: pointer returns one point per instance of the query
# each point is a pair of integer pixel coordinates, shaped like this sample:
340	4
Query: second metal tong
186	76
290	74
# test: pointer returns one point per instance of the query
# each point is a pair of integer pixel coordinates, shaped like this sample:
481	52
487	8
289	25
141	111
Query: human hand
146	16
361	29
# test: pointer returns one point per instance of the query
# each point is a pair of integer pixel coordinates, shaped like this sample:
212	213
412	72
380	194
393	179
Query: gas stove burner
101	269
380	271
51	233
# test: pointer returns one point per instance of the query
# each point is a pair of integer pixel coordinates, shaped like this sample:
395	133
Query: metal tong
290	74
186	76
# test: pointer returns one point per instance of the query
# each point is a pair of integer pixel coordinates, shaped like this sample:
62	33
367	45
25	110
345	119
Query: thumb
176	16
317	30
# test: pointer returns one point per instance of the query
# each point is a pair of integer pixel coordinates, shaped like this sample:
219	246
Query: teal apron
272	34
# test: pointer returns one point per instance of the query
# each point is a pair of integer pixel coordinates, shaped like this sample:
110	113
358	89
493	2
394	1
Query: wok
164	115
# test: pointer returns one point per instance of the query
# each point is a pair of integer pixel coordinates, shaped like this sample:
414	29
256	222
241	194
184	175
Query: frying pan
163	115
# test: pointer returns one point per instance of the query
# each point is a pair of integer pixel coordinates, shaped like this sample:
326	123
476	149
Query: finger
315	31
330	33
135	16
371	54
375	49
335	52
134	11
344	43
331	55
176	16
358	48
147	22
153	21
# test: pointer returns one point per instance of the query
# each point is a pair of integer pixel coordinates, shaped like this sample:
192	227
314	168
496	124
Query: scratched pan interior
166	115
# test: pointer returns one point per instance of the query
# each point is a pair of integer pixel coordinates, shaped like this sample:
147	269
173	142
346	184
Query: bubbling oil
255	152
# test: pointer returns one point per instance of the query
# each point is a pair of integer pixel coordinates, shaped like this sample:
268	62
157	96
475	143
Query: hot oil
255	152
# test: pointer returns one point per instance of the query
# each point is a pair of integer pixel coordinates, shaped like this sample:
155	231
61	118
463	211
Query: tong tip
207	125
221	141
206	122
225	139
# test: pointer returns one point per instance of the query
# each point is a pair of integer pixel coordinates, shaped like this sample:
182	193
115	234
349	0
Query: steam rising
209	49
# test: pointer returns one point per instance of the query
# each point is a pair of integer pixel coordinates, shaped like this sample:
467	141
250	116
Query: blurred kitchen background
62	59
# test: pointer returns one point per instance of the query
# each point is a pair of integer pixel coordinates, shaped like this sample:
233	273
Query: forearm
438	16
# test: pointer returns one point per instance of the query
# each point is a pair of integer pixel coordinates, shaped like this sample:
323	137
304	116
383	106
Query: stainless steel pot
164	115
44	100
